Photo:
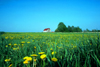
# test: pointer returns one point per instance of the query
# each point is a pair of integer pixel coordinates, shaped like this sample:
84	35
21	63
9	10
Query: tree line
62	28
94	30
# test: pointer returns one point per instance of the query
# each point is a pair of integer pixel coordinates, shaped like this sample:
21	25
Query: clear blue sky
36	15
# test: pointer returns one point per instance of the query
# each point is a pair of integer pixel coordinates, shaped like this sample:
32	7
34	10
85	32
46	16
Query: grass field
50	50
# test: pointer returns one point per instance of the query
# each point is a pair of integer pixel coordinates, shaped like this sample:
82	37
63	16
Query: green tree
56	30
87	30
66	29
77	29
73	29
69	29
61	27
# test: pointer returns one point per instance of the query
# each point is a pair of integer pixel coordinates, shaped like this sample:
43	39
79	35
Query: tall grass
71	49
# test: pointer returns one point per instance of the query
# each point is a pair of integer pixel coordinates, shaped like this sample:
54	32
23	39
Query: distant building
47	30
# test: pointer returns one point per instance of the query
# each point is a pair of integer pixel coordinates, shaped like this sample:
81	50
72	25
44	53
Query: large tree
61	27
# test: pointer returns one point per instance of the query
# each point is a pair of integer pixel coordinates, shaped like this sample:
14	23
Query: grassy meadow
50	50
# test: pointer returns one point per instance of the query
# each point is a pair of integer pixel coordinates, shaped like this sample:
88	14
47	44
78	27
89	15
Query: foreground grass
59	49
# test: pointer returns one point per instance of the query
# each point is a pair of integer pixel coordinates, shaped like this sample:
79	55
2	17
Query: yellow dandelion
29	59
23	42
25	57
35	60
10	65
6	60
15	44
6	46
54	59
28	42
41	52
14	48
43	56
34	47
53	52
6	37
9	44
51	49
34	55
25	62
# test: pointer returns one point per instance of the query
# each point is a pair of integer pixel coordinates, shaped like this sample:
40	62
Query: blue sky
36	15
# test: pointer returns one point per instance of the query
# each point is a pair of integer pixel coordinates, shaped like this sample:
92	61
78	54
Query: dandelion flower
25	62
43	56
6	37
6	45
53	52
34	47
41	52
54	59
28	42
25	57
15	44
10	65
51	49
14	48
29	59
34	55
9	44
23	42
35	60
6	60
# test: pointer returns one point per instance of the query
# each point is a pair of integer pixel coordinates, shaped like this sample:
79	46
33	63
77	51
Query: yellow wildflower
41	52
28	42
34	55
29	59
9	44
6	37
23	42
10	65
7	60
25	62
25	57
51	49
6	45
53	52
54	59
14	48
43	56
35	47
15	44
35	60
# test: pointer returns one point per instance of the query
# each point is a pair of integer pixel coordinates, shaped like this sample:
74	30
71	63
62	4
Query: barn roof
46	29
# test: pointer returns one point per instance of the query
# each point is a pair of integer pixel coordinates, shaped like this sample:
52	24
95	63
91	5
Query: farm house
47	30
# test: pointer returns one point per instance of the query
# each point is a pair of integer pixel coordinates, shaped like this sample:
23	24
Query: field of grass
50	50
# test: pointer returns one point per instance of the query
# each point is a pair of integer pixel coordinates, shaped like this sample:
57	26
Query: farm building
47	30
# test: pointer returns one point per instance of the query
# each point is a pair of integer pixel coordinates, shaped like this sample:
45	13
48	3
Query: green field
50	50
